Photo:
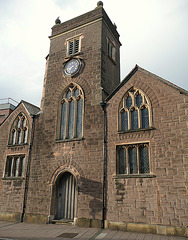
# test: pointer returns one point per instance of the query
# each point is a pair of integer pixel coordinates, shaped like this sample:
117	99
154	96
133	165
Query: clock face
72	67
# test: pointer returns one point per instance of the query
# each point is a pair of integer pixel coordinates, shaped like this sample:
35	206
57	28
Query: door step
63	221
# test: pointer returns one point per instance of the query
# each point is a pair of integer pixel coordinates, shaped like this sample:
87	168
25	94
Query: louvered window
73	46
134	111
133	159
111	50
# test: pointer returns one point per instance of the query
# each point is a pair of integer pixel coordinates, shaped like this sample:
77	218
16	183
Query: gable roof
30	108
137	68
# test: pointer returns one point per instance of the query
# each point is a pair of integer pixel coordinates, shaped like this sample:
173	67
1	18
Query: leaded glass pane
124	121
63	120
22	162
134	119
139	100
24	122
68	94
129	102
14	137
79	119
145	118
76	93
144	160
71	120
16	167
25	135
122	161
133	160
19	136
19	123
9	167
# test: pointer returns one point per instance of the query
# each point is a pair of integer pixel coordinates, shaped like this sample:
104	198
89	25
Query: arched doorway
66	190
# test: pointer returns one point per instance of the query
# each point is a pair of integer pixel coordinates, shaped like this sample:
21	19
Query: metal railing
8	100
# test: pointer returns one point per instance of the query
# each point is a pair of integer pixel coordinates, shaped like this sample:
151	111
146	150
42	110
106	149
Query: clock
72	67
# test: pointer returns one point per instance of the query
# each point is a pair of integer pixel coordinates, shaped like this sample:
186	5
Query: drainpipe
28	166
103	105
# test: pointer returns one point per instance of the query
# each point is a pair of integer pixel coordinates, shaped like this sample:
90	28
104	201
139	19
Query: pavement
25	231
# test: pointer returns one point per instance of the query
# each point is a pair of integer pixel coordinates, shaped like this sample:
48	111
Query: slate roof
32	109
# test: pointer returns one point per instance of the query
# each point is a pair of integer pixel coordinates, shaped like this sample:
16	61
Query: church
98	152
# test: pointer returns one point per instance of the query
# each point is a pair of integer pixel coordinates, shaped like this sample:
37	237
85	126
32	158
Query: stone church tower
99	152
82	69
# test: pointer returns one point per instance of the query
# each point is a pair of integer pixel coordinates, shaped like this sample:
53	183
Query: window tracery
72	113
19	130
134	111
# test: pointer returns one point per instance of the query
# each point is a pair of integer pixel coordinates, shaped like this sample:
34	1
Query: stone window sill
68	140
136	130
13	178
134	176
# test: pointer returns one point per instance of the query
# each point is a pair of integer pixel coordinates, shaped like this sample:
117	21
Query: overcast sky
153	33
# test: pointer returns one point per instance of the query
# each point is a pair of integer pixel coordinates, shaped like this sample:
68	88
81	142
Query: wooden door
66	197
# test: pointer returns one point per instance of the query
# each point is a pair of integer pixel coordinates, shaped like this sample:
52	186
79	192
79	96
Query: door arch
66	195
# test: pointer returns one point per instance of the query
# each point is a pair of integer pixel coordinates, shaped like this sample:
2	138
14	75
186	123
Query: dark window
73	46
15	166
134	111
111	50
133	159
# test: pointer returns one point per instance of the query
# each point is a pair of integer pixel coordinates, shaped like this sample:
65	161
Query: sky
153	33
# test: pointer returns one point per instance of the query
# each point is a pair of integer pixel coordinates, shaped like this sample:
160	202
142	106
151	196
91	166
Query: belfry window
133	159
19	130
72	113
73	46
134	111
111	50
15	166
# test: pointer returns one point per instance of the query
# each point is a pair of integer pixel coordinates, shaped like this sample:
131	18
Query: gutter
103	105
28	166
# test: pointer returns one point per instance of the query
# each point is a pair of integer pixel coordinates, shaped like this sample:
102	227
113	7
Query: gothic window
15	166
134	111
133	159
71	113
19	130
111	50
73	46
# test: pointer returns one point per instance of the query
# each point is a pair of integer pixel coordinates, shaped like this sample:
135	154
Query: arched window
134	111
71	113
19	130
